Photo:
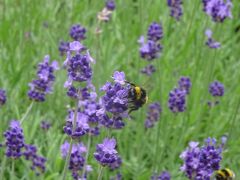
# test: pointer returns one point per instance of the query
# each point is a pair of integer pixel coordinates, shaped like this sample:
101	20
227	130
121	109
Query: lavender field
120	90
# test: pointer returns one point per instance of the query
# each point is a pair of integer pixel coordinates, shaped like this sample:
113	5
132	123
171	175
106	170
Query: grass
24	40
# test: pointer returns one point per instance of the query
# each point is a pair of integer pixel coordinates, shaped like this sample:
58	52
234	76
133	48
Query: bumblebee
137	97
225	174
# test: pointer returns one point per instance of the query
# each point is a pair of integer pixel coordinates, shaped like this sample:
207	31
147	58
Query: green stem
27	112
100	173
12	171
71	143
87	154
3	167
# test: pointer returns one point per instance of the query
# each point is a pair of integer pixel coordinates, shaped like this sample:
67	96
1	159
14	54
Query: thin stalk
3	167
71	143
27	112
100	173
12	171
87	154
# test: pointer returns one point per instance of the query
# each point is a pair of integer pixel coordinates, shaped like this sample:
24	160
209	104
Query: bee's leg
133	108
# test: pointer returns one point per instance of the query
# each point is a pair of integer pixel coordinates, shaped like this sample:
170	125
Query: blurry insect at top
137	97
225	174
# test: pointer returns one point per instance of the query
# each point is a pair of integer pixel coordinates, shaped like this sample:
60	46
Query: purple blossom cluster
107	155
201	162
163	176
77	32
77	159
211	43
38	162
14	140
219	10
216	89
63	47
177	100
44	83
176	8
184	83
114	103
110	5
3	97
152	48
45	125
154	111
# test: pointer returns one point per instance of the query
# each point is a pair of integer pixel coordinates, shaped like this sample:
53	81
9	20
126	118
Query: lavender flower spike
77	32
106	154
175	8
14	140
3	97
216	89
177	100
153	115
119	77
44	82
184	83
148	70
211	43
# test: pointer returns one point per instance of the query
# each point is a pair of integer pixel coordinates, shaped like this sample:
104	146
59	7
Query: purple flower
153	114
115	99
63	47
201	162
14	140
210	42
110	5
148	70
149	50
79	68
163	176
82	126
77	32
219	10
76	46
216	89
3	97
175	8
45	125
177	100
119	77
77	159
44	82
155	32
106	154
184	83
38	162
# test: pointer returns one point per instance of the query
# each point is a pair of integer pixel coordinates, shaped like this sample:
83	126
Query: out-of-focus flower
155	32
3	97
163	176
45	125
184	83
211	42
110	5
148	70
77	159
106	154
216	89
175	8
14	140
118	176
177	100
44	82
201	162
116	164
63	47
219	10
104	15
77	32
153	114
38	162
149	50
